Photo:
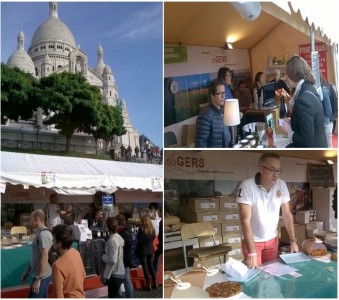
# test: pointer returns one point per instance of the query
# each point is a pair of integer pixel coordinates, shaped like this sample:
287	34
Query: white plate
291	258
249	275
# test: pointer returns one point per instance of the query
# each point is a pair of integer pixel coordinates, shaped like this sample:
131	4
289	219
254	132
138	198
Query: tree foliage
70	103
16	94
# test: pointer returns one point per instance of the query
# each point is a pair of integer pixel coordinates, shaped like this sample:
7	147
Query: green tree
16	94
111	123
70	103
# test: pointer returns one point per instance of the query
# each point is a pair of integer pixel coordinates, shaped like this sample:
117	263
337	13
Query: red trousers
266	251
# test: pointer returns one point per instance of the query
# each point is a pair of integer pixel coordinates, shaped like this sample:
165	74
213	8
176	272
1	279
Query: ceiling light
248	10
228	46
329	162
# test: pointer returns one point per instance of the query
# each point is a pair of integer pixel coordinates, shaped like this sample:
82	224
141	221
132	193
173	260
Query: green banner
175	54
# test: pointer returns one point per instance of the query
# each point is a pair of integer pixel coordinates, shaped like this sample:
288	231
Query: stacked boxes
305	216
230	222
223	213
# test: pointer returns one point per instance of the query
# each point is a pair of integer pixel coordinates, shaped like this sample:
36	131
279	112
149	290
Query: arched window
59	66
110	93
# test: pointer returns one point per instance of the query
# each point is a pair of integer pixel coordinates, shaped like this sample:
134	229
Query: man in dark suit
306	128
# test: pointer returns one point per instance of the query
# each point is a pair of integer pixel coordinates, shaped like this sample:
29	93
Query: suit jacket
307	120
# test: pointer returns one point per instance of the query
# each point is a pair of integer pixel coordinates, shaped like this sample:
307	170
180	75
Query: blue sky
130	34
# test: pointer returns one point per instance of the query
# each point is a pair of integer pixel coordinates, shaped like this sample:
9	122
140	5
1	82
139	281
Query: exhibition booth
28	180
197	37
203	186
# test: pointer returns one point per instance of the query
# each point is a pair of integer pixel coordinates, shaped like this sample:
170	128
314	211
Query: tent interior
277	31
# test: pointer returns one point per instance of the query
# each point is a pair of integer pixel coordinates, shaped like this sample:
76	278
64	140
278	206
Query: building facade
53	50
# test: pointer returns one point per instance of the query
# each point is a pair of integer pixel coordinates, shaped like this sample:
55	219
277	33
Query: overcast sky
130	35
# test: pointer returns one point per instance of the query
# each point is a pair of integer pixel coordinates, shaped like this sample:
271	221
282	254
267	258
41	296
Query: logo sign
107	200
219	58
175	54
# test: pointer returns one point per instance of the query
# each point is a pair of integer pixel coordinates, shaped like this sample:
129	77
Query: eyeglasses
220	93
228	75
272	171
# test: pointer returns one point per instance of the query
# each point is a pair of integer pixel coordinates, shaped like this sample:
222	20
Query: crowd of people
146	153
311	112
67	272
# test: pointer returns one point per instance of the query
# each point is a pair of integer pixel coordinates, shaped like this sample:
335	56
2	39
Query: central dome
53	30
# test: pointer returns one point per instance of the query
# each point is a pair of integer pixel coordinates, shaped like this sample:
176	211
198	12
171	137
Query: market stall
202	186
194	51
27	181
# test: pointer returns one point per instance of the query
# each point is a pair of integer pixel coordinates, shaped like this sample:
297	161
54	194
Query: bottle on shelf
269	132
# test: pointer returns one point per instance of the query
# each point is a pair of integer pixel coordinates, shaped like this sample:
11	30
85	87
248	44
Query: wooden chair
17	230
202	230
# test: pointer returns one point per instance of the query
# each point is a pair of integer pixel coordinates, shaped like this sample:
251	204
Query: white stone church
53	50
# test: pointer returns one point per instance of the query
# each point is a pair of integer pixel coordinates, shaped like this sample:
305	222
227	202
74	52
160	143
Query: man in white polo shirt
260	199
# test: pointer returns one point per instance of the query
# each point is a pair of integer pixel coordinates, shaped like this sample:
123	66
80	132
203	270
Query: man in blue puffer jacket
211	131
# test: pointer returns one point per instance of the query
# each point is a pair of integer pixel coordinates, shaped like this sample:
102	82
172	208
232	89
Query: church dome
53	30
107	70
20	59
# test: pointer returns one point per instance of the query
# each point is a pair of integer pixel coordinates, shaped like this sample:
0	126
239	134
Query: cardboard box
235	251
227	203
231	238
229	215
188	135
202	204
305	216
208	242
302	217
230	227
217	229
299	231
315	225
194	217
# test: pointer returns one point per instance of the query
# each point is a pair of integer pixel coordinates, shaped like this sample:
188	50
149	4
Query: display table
14	262
318	280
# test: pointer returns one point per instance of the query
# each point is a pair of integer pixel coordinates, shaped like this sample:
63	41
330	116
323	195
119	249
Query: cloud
143	24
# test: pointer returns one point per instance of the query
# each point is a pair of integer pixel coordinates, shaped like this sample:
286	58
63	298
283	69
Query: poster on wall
183	95
306	53
186	84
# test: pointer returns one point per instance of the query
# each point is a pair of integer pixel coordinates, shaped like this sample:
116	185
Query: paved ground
102	293
146	294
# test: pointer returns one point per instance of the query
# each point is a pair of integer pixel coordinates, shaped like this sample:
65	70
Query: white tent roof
78	176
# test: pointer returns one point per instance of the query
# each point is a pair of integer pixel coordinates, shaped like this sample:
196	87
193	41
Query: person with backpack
326	102
68	270
126	233
39	266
